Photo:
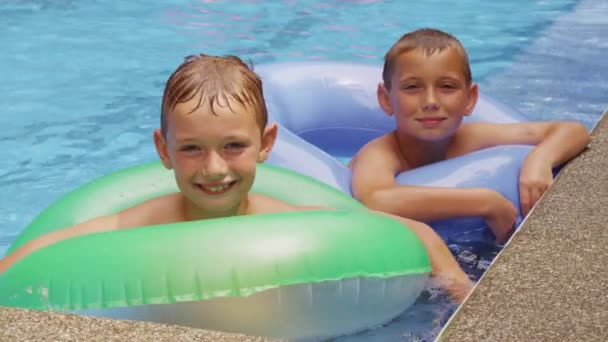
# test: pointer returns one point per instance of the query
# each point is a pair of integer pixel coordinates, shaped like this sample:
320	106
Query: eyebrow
182	140
228	137
451	77
442	78
237	137
409	78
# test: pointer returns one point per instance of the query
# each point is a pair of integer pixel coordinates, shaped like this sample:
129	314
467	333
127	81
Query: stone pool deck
26	325
550	283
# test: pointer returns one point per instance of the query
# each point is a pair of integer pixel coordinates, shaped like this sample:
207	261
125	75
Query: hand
534	179
500	216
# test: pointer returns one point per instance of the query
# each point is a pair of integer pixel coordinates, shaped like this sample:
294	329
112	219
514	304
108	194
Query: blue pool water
82	81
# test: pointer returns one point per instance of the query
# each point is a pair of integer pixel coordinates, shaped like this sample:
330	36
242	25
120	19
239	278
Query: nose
430	102
214	166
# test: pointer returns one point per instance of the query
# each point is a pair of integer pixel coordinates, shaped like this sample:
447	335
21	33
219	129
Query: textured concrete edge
470	322
29	325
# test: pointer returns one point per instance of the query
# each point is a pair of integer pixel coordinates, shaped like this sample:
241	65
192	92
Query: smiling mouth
430	121
216	189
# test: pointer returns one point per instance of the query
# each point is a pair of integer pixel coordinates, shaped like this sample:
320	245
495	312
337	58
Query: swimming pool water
82	81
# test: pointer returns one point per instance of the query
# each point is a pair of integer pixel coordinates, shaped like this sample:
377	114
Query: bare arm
431	203
159	210
445	270
92	226
560	142
556	143
374	184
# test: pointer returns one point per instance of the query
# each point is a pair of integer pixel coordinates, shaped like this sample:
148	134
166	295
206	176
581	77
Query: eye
411	87
449	86
235	146
189	148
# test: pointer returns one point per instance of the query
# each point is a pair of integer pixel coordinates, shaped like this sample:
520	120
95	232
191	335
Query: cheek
250	163
244	162
405	102
455	100
184	164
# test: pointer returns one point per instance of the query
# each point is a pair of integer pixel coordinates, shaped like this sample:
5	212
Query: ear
472	99
383	99
269	136
161	149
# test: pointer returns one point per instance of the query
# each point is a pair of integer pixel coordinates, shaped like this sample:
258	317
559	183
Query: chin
434	139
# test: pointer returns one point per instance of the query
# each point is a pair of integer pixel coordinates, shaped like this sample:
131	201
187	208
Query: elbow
363	197
368	198
584	133
371	201
376	200
579	131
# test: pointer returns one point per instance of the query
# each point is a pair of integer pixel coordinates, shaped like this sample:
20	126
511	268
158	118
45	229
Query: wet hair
429	41
215	81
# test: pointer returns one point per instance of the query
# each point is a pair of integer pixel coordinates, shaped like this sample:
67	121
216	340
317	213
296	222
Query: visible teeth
217	188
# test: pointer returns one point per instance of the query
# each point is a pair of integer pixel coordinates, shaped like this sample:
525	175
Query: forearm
93	226
562	143
444	268
24	250
430	203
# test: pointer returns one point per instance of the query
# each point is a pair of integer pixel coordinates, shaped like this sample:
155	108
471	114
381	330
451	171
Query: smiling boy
427	87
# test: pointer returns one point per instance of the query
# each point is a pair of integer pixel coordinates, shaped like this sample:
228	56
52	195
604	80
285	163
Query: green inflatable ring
296	275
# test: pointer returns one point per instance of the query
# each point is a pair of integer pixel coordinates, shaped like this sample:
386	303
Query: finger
524	200
514	217
535	194
504	236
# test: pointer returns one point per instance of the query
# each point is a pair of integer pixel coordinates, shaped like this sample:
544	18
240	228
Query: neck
191	212
417	153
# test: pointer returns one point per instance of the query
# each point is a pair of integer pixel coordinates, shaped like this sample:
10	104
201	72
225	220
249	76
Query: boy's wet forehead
190	116
415	62
214	107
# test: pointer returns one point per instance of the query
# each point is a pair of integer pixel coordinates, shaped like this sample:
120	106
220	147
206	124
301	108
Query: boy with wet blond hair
213	133
428	88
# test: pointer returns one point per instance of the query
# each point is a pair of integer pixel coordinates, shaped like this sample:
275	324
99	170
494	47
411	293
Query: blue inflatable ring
328	111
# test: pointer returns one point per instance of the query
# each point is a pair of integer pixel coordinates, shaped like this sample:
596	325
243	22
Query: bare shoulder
381	152
159	210
263	204
375	166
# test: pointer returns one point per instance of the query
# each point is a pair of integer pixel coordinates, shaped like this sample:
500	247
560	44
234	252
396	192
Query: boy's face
214	156
429	95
